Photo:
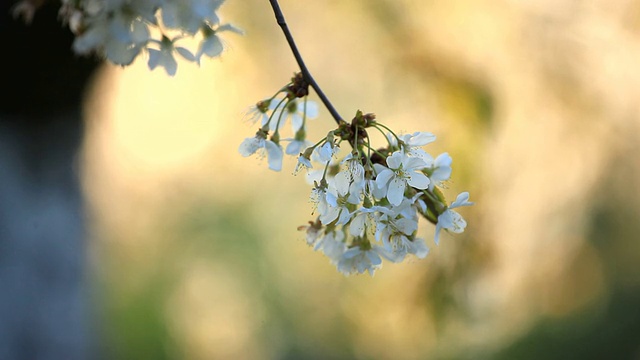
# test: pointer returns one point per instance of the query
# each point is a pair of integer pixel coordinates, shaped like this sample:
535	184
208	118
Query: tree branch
300	61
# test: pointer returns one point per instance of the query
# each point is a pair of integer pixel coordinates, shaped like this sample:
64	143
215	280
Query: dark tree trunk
45	309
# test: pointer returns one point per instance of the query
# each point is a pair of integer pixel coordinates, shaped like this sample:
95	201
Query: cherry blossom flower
324	153
337	201
258	112
450	220
364	218
211	44
190	15
439	170
119	37
303	163
260	145
298	111
164	57
358	260
402	170
296	146
412	143
332	245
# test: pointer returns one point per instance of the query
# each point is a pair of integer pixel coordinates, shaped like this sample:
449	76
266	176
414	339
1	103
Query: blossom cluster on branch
369	202
121	30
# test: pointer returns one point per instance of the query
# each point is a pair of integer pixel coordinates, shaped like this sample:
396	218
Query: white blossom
119	36
313	232
295	146
258	112
262	147
412	144
298	111
211	44
303	163
450	220
357	260
332	245
354	168
165	56
324	153
121	30
337	201
364	218
190	15
397	237
439	169
402	170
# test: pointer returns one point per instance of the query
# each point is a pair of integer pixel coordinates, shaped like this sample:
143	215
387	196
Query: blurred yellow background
195	250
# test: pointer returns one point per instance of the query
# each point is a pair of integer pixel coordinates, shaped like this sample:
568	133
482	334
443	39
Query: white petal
407	226
232	28
345	216
355	190
443	160
296	122
120	53
302	164
342	182
352	252
274	155
356	228
93	38
383	178
418	180
373	256
461	200
185	53
332	245
170	13
140	32
436	237
169	63
413	163
212	46
378	193
441	173
420	248
312	109
294	147
421	138
428	159
323	154
395	159
154	58
249	146
328	216
379	168
395	194
392	139
445	220
459	224
119	29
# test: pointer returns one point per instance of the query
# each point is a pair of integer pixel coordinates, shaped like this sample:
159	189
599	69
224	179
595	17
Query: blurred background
191	251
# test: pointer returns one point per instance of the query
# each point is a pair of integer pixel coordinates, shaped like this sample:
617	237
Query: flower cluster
273	113
120	30
368	204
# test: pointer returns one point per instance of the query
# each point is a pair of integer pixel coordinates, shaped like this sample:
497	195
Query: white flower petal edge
450	220
274	155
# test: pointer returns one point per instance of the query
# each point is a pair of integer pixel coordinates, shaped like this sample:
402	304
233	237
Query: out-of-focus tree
45	307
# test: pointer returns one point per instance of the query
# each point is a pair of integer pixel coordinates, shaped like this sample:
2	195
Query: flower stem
303	68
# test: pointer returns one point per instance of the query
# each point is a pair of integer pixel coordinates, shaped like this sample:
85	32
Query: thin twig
300	61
